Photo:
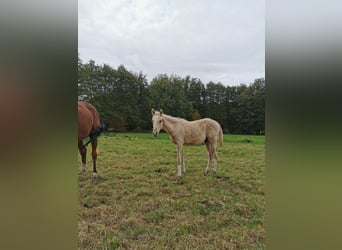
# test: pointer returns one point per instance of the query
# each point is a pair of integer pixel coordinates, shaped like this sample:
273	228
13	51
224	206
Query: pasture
138	202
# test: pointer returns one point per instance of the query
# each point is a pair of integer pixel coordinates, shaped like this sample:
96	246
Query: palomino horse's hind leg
83	152
183	164
215	166
94	156
207	144
214	154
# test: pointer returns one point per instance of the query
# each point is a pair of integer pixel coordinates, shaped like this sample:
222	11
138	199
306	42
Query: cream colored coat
182	132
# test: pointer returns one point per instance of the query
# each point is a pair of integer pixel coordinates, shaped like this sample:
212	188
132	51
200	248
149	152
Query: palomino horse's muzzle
155	133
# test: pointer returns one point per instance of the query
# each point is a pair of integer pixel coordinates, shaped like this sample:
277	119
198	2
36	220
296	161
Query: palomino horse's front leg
180	158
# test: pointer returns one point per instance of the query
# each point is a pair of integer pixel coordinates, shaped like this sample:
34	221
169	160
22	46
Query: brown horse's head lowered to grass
89	125
182	132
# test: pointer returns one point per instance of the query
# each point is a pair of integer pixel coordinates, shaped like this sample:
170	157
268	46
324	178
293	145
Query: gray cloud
220	41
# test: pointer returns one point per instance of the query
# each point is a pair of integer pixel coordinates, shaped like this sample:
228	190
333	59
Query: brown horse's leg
83	152
94	156
207	144
179	158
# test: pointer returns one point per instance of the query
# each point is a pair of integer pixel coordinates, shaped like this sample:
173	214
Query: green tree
195	94
249	110
143	102
168	93
124	99
215	96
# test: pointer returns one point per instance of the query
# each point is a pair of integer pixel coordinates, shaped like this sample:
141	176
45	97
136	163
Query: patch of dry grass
137	202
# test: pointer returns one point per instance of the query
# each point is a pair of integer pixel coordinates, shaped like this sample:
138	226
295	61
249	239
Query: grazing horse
204	131
89	125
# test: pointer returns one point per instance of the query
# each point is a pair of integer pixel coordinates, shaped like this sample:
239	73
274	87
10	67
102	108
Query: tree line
124	99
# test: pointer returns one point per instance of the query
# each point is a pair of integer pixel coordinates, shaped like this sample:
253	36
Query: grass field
137	201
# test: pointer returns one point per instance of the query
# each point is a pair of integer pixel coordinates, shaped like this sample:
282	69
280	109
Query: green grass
138	202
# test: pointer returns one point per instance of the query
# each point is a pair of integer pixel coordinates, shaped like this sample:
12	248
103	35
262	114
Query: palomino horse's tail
221	136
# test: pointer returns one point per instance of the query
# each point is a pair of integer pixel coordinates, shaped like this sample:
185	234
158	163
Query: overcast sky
218	40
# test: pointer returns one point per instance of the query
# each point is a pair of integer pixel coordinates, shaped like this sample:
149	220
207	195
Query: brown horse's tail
96	133
221	136
102	126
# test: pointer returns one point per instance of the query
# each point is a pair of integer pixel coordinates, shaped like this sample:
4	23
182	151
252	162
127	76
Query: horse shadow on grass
221	177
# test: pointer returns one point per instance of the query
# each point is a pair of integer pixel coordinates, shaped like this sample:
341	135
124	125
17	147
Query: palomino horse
89	125
204	131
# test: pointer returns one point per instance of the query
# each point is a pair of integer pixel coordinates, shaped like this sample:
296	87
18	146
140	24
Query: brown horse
204	131
89	125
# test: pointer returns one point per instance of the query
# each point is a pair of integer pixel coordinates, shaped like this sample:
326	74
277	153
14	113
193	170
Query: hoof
83	169
179	179
94	176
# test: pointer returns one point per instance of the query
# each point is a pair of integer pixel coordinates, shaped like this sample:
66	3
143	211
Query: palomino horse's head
157	121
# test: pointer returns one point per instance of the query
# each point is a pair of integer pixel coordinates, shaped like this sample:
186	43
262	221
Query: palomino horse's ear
161	111
152	111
